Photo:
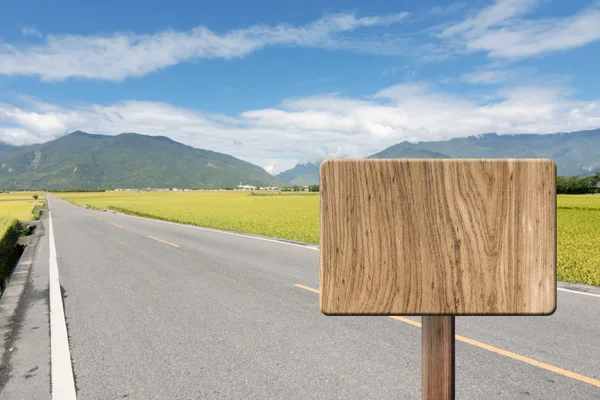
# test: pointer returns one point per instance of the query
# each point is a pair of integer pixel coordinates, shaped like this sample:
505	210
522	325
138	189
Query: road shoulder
24	324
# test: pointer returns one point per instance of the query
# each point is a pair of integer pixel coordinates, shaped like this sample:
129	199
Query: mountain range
88	161
575	153
303	174
85	161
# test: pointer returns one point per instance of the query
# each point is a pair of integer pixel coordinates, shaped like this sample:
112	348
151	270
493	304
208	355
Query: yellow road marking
514	356
530	361
164	241
407	321
118	225
306	288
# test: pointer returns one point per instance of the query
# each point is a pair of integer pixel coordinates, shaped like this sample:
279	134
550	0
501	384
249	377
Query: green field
20	205
296	217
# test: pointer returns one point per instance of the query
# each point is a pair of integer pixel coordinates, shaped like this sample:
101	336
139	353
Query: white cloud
500	31
449	9
499	12
487	76
310	128
115	57
408	74
270	169
497	74
31	31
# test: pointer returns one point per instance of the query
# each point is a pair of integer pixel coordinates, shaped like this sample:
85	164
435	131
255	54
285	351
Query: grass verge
10	230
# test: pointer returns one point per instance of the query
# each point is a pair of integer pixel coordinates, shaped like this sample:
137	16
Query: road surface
164	311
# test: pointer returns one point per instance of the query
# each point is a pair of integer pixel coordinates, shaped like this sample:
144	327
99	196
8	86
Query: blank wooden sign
438	237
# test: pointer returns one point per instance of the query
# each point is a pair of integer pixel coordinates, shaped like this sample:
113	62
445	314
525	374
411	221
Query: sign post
438	238
437	357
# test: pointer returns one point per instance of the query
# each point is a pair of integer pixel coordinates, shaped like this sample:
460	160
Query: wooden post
437	357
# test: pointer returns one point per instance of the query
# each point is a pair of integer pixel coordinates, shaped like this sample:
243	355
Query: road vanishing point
121	307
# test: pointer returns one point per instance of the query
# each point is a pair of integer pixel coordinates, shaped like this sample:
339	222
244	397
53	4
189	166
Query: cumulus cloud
501	31
315	127
120	55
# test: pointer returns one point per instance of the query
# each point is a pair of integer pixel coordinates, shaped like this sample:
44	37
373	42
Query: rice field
20	205
578	238
579	201
295	216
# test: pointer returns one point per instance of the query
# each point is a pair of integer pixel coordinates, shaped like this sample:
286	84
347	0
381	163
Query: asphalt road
165	311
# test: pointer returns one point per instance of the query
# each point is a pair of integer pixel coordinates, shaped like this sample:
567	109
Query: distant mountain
5	148
308	173
575	153
399	151
304	174
82	161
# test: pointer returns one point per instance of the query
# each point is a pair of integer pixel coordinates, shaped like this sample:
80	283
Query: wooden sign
438	237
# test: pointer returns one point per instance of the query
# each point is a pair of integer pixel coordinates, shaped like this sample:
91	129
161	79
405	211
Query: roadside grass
15	206
9	251
21	205
295	216
6	224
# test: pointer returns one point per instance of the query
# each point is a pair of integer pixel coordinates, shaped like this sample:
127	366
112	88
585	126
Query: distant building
245	187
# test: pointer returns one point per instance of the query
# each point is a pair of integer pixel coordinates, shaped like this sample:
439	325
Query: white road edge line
220	231
578	292
61	369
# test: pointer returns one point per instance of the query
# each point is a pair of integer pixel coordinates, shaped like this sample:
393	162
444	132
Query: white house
246	187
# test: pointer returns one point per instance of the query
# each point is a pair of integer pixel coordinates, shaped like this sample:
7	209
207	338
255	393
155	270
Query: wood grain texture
438	237
437	358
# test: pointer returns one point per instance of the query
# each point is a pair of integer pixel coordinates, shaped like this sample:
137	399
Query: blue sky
275	82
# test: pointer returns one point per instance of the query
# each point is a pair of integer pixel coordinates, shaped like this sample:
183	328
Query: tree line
564	185
577	185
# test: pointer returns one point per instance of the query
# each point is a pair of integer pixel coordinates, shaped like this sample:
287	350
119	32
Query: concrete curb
9	302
